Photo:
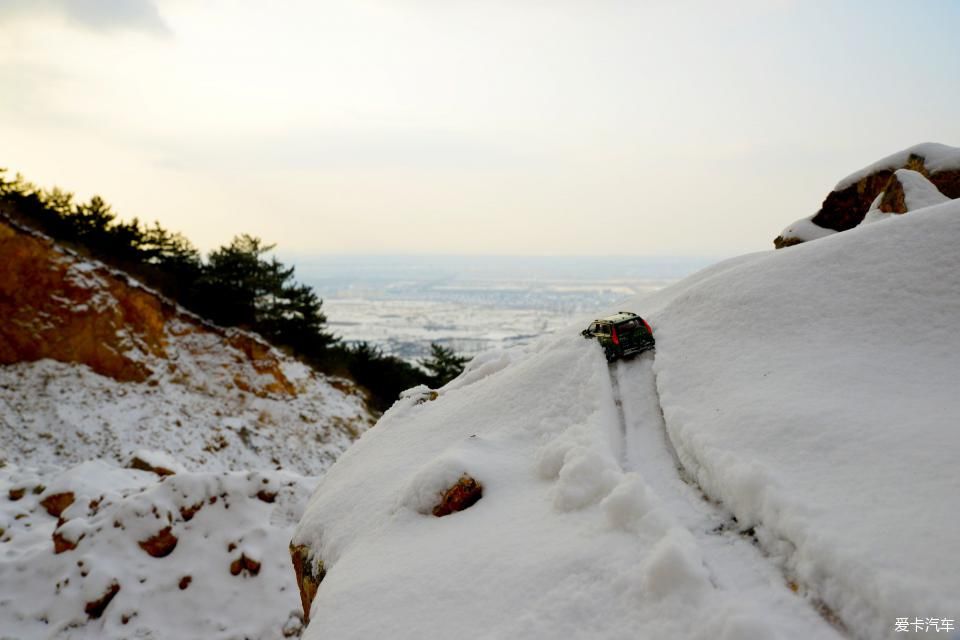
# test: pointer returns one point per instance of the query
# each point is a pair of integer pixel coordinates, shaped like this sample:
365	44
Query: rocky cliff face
61	307
846	206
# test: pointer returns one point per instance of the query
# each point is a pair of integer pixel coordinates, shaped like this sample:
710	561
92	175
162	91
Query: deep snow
801	482
830	418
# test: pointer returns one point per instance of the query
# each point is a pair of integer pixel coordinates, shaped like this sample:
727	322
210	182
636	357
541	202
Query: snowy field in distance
472	304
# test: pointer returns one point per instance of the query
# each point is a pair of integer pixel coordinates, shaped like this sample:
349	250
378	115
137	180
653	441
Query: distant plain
474	303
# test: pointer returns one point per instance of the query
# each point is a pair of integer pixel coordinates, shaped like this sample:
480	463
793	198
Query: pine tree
241	286
385	377
167	250
234	279
94	217
443	364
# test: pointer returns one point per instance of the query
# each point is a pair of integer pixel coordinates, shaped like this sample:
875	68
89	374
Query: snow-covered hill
100	366
784	466
152	466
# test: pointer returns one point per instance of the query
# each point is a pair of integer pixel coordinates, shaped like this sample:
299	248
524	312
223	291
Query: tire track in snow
631	437
734	558
621	418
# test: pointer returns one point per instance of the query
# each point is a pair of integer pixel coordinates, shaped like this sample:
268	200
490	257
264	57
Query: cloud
97	15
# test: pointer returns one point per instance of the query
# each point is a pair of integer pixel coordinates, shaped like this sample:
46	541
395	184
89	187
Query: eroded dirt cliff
57	305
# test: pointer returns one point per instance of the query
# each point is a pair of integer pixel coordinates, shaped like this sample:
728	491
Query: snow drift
785	466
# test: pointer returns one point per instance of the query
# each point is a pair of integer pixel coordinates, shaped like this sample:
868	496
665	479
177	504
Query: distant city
401	304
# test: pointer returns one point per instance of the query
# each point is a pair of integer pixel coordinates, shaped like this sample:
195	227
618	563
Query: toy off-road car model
620	335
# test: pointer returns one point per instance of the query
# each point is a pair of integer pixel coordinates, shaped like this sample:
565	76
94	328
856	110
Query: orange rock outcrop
309	572
57	305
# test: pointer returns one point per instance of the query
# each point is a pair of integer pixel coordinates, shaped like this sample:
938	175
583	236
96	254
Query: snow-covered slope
101	374
784	466
60	413
99	366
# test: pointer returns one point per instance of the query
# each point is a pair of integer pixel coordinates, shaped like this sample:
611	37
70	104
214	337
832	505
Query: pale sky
524	127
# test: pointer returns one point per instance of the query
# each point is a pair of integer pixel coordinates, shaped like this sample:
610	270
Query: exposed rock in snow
463	494
803	230
906	191
184	556
156	462
846	206
783	466
309	572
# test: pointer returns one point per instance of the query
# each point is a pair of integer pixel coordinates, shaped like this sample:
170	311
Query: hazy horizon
403	304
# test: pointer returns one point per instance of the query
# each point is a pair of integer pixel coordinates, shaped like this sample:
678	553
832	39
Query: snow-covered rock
906	191
803	230
194	555
932	157
784	466
851	200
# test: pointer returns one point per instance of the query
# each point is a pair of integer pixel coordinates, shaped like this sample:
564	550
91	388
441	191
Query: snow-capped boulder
846	206
156	462
803	230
